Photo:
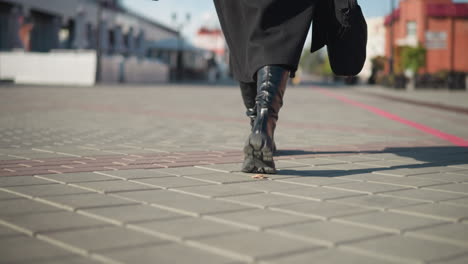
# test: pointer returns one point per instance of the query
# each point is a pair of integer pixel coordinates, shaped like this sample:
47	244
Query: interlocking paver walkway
120	174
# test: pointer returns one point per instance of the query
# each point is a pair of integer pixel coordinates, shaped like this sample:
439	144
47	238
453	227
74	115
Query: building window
411	28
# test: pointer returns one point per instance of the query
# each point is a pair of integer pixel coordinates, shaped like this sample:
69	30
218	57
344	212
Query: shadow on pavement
425	157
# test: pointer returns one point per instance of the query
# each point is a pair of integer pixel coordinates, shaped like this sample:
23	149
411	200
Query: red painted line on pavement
426	129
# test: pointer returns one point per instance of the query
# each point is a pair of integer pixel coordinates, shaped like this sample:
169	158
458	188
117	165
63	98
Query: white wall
54	68
375	43
78	68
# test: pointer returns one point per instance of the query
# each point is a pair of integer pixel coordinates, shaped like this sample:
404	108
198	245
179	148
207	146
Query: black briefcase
343	28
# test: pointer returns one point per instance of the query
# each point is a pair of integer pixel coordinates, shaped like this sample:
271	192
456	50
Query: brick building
441	26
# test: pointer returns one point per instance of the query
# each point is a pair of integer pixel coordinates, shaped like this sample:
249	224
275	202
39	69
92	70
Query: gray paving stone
463	167
263	200
21	181
268	186
113	186
316	161
381	156
416	171
327	233
217	190
135	174
321	210
388	163
438	211
254	245
463	202
287	164
76	177
424	195
377	201
454	233
185	171
68	260
6	232
130	213
280	174
407	249
29	250
329	256
400	181
317	193
455	187
91	240
349	167
315	180
24	206
171	182
355	158
229	167
86	200
317	171
183	203
221	178
457	260
389	221
367	187
258	219
53	221
8	196
185	228
46	190
6	157
167	254
373	142
445	177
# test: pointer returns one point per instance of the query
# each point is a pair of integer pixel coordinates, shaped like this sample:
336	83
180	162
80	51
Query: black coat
268	32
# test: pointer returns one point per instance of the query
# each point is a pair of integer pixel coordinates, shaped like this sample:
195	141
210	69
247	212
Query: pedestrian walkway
116	174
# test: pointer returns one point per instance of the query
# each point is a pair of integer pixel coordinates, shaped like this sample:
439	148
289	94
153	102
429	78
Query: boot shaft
249	93
271	85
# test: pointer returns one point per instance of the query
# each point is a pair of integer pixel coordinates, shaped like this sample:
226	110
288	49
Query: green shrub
413	58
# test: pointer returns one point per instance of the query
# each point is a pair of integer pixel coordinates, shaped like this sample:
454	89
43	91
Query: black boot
259	148
249	93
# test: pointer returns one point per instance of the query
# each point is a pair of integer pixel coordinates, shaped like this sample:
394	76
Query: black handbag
340	24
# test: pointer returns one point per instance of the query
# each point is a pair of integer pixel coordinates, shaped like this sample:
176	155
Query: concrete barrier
145	71
53	68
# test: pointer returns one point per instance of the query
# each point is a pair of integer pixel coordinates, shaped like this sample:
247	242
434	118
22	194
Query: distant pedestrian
265	38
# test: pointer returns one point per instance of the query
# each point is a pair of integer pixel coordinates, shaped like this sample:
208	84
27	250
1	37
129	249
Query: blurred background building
375	44
427	40
212	39
421	43
81	42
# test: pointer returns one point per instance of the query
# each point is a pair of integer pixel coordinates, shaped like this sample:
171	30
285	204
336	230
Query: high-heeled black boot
259	148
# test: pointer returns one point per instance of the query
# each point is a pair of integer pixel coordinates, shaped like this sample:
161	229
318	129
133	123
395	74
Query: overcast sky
203	14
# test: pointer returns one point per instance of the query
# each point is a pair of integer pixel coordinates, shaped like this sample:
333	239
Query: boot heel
258	155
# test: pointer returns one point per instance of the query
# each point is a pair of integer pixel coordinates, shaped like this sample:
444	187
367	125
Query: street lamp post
392	50
100	4
179	53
